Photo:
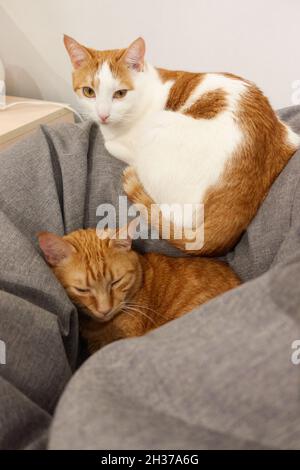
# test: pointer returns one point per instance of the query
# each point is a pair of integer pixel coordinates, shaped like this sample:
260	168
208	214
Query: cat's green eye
88	92
120	94
82	291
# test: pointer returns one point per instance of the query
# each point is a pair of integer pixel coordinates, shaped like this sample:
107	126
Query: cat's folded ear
125	235
55	249
135	54
79	54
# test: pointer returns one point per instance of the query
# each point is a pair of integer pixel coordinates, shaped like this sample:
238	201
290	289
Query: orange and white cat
125	293
189	138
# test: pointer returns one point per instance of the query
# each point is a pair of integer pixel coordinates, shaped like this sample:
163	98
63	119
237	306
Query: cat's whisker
147	308
141	313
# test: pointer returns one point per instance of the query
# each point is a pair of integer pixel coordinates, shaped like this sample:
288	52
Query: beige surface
20	121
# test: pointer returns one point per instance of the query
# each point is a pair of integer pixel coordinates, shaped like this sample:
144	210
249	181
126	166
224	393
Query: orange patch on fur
209	105
184	84
87	74
232	204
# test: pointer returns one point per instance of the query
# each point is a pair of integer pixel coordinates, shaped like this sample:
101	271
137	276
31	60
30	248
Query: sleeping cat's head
110	82
99	274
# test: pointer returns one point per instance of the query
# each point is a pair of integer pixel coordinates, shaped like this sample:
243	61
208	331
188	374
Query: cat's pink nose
103	117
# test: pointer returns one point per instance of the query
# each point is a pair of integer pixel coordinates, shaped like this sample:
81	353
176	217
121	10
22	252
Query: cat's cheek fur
87	107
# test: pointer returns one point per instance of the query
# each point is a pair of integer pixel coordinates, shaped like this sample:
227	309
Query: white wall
258	39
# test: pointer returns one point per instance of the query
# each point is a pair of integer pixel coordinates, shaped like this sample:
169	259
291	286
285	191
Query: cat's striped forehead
91	247
104	66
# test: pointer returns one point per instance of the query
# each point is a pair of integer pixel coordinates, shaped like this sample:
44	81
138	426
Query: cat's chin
105	318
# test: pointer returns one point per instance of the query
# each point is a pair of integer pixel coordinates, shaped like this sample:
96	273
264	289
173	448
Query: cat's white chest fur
177	157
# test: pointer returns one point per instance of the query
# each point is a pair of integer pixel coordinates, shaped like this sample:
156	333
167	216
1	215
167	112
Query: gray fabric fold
220	377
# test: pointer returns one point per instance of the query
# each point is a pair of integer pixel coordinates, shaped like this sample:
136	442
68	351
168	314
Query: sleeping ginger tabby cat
124	293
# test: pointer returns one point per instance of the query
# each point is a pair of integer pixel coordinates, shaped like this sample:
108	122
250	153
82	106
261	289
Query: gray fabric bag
219	377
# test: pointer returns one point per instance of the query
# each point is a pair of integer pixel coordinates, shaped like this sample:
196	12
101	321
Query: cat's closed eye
88	92
116	282
120	94
82	291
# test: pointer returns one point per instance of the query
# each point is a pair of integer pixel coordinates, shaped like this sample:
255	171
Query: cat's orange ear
79	54
55	249
125	235
134	55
